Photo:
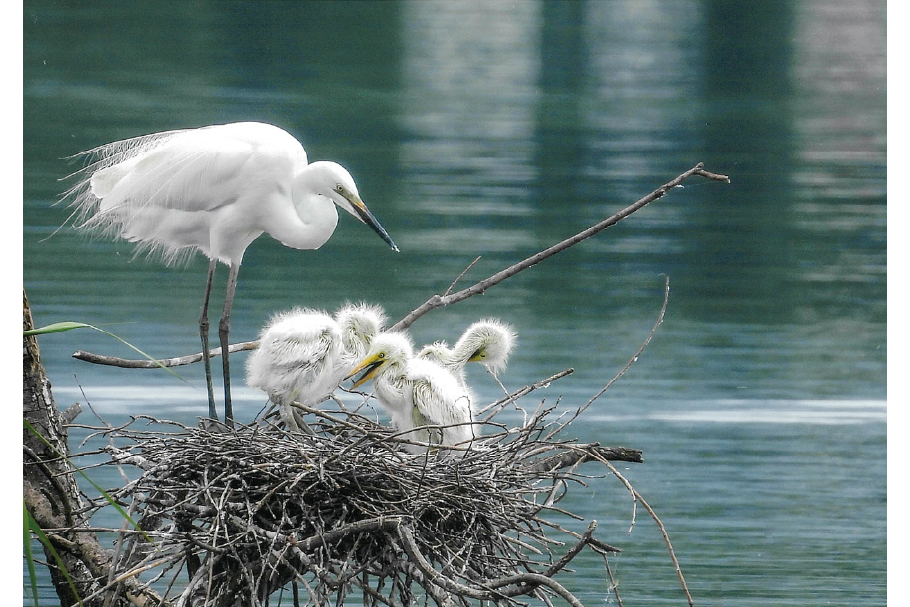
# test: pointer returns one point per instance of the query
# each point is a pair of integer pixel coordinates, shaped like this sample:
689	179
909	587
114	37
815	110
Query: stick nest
250	511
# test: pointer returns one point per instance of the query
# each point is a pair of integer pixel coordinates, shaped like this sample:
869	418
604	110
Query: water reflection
839	178
470	72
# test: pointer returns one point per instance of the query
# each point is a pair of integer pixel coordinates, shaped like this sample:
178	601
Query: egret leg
204	333
224	329
288	416
292	417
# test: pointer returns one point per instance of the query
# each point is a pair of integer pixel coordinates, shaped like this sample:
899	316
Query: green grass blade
27	523
42	537
57	327
69	325
97	487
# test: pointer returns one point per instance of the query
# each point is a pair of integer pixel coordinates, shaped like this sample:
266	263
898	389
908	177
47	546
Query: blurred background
495	129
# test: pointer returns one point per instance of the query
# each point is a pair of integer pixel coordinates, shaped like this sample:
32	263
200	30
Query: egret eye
381	355
339	188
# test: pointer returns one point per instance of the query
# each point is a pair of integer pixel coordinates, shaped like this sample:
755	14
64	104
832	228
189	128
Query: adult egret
214	189
487	341
417	393
304	354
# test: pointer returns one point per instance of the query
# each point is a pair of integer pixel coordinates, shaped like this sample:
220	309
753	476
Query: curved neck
309	221
461	352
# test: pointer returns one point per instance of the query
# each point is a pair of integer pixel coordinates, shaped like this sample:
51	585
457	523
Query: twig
460	276
524	391
660	526
660	319
573	552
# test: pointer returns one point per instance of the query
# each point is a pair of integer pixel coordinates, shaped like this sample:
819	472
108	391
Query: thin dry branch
663	531
634	359
128	363
517	394
438	301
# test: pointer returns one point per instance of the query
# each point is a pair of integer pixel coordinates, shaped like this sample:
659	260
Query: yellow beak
369	365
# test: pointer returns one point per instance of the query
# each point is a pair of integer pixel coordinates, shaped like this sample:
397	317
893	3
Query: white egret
304	354
215	190
488	341
417	393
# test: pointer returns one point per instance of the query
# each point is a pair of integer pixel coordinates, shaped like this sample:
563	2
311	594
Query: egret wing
195	170
296	355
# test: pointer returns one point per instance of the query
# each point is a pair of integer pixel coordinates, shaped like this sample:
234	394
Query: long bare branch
127	363
438	301
663	531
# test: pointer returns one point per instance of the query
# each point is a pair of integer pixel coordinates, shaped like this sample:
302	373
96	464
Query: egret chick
214	189
359	324
304	354
487	341
417	393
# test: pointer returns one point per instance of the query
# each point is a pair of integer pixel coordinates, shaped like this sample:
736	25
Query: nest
237	515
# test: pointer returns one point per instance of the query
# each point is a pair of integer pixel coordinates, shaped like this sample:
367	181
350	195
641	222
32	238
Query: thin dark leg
224	329
204	333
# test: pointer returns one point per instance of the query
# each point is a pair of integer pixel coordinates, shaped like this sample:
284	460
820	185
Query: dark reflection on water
497	129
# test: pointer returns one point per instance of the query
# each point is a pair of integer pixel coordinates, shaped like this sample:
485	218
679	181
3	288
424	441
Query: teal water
496	129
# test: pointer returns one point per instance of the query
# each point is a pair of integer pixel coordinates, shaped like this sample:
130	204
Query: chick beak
368	366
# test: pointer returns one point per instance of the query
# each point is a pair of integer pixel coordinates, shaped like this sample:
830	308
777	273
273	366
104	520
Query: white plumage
304	354
417	393
487	341
214	189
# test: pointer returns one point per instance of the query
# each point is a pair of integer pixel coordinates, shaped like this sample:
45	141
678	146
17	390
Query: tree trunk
52	495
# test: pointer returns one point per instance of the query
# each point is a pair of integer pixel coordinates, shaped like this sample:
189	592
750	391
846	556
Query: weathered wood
52	495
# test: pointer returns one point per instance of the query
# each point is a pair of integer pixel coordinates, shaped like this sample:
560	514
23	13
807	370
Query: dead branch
581	453
127	363
660	319
438	301
51	494
517	394
663	531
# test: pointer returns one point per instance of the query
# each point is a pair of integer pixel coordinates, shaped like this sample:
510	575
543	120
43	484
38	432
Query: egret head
388	353
359	324
333	180
438	352
490	342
